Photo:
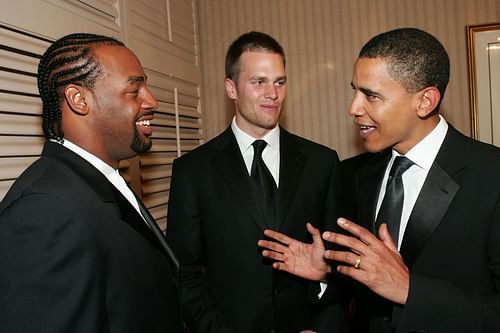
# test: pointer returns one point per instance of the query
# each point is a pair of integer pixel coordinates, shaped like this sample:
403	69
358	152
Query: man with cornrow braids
79	252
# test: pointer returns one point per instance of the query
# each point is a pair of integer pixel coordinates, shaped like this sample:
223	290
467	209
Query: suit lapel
159	236
368	184
292	163
432	203
229	163
134	219
436	195
102	188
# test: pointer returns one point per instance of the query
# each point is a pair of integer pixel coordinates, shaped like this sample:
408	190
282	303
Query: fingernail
326	234
341	221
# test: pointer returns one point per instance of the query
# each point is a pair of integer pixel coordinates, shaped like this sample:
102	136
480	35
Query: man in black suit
78	251
440	272
216	213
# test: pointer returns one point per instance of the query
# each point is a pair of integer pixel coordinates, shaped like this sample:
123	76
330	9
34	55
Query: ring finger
346	257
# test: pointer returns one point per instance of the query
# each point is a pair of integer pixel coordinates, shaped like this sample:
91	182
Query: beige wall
321	39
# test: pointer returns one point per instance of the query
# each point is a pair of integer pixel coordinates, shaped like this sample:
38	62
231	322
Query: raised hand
295	257
374	262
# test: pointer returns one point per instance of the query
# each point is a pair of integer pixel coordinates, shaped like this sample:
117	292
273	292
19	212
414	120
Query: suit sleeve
336	299
184	233
330	311
51	271
446	307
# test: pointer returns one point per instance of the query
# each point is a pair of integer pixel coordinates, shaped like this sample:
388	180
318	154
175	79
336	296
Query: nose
271	92
150	102
356	108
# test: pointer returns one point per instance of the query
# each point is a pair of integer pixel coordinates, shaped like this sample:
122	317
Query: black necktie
265	185
392	205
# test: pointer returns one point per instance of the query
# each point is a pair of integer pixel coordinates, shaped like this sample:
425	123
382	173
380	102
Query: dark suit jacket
451	243
75	256
214	226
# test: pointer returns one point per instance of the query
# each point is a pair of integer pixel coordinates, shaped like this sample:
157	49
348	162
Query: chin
271	125
141	146
372	148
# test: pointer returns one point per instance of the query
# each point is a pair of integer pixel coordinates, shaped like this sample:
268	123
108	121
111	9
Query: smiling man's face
384	111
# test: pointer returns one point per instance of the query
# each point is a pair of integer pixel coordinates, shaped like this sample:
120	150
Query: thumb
386	238
316	235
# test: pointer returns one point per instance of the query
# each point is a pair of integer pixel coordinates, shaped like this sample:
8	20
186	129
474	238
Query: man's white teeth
364	127
145	123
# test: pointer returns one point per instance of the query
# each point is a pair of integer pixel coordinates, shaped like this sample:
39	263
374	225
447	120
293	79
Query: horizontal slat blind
168	25
163	34
176	129
182	25
107	7
21	137
177	125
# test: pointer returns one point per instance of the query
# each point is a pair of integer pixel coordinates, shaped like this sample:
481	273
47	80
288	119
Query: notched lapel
102	188
292	163
437	193
134	219
160	237
230	165
368	184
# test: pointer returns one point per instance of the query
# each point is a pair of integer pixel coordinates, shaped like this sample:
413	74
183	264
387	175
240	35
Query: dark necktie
265	185
392	205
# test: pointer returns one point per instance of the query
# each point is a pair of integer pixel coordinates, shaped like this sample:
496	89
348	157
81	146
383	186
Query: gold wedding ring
358	263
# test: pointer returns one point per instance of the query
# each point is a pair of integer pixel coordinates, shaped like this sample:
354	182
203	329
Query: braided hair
69	60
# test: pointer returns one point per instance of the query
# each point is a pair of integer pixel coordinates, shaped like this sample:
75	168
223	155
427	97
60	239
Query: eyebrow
134	79
365	91
258	77
369	92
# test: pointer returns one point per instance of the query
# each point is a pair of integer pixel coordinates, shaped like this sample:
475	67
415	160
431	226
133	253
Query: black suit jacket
75	256
451	243
214	226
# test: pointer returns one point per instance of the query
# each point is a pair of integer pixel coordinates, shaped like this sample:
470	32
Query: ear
231	88
428	101
75	97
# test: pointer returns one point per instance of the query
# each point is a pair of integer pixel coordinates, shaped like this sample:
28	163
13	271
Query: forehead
370	67
118	61
261	60
373	73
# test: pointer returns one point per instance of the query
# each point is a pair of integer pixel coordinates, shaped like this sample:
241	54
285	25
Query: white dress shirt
270	154
422	155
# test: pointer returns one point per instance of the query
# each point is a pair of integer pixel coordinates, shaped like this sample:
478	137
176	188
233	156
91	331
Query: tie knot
400	165
258	147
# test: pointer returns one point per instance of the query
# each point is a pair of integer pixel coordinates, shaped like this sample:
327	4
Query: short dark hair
415	58
69	60
252	41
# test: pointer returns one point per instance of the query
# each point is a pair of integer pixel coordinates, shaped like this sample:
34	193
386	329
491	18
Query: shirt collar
99	164
245	140
424	152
